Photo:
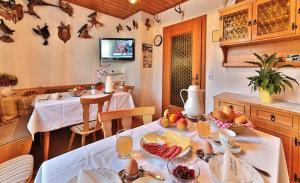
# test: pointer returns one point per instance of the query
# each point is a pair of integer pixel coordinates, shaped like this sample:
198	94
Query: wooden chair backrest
86	102
126	115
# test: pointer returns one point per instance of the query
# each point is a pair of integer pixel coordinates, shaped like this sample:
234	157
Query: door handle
196	78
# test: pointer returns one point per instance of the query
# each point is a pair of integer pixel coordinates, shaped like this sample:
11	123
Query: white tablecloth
50	115
267	154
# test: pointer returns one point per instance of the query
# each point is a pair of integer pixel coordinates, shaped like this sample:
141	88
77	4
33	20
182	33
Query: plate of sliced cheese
165	145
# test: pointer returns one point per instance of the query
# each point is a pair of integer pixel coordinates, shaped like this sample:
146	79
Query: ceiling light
132	1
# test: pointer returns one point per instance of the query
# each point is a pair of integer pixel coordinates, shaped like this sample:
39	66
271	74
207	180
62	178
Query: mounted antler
157	19
178	9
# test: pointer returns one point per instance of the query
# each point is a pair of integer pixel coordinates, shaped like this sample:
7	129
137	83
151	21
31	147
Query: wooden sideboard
280	119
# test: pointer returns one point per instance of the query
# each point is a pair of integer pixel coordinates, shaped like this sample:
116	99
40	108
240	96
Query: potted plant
269	80
6	82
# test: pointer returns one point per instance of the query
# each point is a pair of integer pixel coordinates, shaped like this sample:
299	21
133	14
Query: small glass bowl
174	162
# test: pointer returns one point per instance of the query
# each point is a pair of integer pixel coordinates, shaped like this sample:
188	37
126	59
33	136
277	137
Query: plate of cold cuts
165	145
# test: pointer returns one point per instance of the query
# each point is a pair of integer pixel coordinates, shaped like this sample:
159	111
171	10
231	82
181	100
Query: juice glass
203	127
124	143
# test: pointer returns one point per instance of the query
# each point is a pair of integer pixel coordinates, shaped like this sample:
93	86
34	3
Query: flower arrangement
101	73
8	80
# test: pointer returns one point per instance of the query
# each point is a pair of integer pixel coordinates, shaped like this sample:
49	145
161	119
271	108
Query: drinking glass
203	127
124	143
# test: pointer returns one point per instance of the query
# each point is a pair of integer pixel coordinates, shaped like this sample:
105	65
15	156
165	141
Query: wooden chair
88	127
106	118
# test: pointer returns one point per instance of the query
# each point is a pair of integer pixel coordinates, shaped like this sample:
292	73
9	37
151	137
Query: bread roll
220	115
228	110
240	120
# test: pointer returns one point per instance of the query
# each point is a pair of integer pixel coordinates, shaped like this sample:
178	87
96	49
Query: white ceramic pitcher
194	106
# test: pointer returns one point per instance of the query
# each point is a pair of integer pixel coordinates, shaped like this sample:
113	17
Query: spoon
156	176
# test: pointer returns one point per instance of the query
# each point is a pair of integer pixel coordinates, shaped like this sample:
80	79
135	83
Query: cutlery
154	175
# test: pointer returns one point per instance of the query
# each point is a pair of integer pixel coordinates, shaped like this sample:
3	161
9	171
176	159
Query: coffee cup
226	137
55	96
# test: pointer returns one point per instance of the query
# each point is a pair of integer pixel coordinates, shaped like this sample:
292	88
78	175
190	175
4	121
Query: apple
181	124
179	114
173	118
81	88
164	122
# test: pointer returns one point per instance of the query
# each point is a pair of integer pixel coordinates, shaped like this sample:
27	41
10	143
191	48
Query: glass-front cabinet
236	24
273	18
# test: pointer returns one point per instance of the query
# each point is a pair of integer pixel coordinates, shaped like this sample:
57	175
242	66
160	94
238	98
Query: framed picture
216	36
147	55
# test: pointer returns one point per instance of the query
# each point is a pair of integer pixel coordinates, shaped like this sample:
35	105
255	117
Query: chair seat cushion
14	131
16	170
79	128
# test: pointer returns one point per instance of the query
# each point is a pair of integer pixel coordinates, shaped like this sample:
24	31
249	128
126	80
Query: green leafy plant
269	78
8	80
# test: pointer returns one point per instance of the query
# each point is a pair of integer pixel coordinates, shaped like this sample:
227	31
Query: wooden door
183	59
235	24
298	16
296	165
273	18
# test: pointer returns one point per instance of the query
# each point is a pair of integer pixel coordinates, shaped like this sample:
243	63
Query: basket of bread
227	117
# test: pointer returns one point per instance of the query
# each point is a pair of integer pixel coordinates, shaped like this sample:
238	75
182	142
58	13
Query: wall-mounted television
117	49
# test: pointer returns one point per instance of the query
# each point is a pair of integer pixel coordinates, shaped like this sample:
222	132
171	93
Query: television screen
116	49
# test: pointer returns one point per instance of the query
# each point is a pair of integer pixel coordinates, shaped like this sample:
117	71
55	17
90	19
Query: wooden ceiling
123	9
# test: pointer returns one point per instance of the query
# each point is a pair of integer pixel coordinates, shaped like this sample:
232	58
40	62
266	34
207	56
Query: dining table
52	114
259	149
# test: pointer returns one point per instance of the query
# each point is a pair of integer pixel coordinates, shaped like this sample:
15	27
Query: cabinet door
235	24
298	16
273	18
290	150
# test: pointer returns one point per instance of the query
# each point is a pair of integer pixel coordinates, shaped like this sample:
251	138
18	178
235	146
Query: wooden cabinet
277	121
273	18
235	24
298	17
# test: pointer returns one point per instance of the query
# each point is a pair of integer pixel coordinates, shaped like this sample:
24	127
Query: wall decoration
32	3
119	28
5	29
11	11
93	20
43	32
147	55
64	32
6	39
135	24
157	19
66	7
216	36
31	11
178	9
128	27
84	32
158	40
147	24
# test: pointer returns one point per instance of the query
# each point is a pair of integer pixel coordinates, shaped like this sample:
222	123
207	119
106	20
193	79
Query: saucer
233	149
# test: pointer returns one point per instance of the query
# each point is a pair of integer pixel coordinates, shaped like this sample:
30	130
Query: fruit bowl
183	170
76	92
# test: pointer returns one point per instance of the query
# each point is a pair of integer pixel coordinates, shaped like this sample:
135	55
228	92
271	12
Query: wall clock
158	40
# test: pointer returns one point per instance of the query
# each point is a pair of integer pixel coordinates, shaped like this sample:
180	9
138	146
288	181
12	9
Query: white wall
224	79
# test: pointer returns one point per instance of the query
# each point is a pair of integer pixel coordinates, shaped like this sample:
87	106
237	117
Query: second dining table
49	115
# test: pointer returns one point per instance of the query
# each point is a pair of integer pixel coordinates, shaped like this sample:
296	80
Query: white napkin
233	172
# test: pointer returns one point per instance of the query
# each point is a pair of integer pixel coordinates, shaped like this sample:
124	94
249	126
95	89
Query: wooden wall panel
123	9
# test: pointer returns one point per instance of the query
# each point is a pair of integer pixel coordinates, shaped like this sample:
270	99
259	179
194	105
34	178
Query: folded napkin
233	171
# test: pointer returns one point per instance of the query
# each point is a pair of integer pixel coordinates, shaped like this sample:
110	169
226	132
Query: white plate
234	149
104	175
216	166
146	180
183	153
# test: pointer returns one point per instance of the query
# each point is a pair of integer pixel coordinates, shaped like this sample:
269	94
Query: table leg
46	145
